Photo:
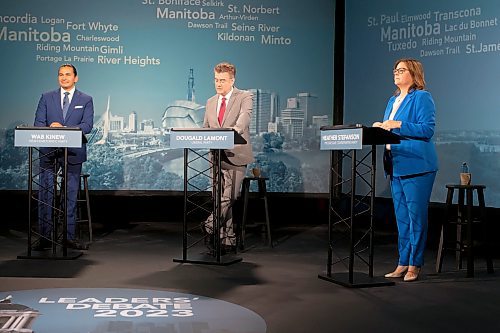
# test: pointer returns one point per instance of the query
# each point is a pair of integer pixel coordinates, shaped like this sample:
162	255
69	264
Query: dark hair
70	65
416	70
225	67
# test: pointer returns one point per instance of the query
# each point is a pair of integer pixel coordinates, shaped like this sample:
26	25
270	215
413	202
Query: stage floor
280	284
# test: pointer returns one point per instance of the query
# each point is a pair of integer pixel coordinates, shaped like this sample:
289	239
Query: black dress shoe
205	229
42	245
207	236
75	245
226	249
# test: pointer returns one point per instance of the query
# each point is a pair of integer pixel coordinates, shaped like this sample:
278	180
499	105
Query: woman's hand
388	124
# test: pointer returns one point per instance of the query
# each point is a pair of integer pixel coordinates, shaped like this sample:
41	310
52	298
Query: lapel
403	105
389	108
56	99
230	105
74	101
212	110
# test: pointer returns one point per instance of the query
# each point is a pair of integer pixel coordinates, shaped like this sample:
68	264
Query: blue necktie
65	104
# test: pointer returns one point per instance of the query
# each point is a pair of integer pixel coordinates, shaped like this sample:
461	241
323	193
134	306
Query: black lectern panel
351	214
205	200
57	140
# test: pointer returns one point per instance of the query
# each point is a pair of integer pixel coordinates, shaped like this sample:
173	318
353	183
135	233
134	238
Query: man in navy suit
49	113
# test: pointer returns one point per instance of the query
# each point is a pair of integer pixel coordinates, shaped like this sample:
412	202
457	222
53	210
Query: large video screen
458	43
148	64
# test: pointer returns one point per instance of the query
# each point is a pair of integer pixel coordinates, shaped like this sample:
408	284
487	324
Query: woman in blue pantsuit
412	164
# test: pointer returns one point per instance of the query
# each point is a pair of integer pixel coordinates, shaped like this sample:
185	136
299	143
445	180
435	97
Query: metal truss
350	219
56	221
202	200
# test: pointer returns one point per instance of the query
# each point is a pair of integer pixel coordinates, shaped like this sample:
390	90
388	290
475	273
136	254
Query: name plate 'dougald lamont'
47	137
349	138
202	139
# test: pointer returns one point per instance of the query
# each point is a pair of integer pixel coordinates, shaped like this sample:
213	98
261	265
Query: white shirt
395	107
219	101
70	96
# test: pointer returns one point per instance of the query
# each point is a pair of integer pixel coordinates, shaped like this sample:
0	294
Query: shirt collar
228	95
71	92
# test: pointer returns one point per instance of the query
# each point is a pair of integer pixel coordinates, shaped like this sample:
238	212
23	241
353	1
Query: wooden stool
465	217
83	201
261	182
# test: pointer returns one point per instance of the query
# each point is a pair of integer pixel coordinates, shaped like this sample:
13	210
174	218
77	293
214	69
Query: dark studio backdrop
148	64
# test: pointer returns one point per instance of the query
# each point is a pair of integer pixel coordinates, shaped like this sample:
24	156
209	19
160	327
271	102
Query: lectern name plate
198	139
59	138
351	138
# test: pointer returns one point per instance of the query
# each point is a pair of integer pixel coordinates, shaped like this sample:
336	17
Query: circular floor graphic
91	310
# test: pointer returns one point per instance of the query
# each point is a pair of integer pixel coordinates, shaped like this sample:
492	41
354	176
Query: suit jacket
416	152
237	116
80	114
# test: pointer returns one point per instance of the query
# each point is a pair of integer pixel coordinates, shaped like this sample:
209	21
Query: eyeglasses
399	71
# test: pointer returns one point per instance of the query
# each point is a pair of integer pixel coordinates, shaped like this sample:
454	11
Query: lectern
345	224
60	139
202	147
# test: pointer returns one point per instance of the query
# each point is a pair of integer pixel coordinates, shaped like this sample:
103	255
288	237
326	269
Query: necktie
222	110
65	104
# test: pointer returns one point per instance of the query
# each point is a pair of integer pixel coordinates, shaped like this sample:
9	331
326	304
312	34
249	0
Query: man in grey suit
229	108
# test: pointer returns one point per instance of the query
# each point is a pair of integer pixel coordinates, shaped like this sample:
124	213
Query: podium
60	139
203	146
347	208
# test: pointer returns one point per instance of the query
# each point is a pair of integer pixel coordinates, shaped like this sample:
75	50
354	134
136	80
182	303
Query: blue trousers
46	196
411	195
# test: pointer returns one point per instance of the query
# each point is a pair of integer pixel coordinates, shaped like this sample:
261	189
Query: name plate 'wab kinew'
202	139
350	138
48	137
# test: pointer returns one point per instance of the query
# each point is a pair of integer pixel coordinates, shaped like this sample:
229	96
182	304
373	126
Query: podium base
70	255
206	259
359	280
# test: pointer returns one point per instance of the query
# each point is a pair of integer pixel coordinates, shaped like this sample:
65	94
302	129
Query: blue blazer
416	152
80	114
